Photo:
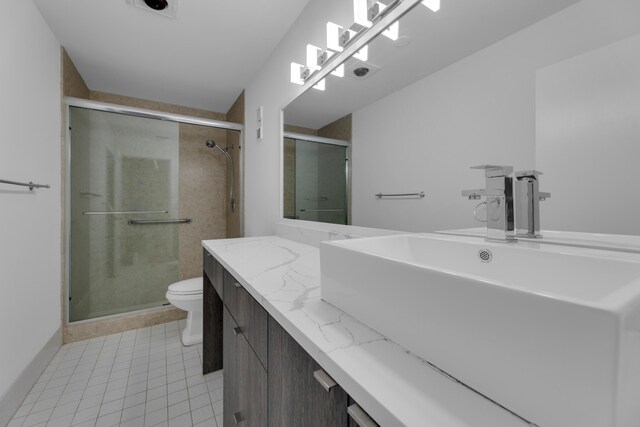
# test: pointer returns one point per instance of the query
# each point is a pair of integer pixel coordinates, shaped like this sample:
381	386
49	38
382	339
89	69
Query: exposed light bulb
434	5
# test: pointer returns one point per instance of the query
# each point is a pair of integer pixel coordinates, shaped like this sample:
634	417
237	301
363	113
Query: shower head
211	144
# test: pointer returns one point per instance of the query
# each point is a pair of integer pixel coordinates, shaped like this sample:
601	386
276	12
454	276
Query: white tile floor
143	377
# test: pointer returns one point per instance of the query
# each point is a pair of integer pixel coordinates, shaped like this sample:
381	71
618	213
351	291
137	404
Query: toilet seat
186	287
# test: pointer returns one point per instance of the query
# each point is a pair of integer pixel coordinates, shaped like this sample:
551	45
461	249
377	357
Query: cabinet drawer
252	319
254	322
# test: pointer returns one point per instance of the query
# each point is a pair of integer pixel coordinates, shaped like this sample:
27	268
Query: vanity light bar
366	13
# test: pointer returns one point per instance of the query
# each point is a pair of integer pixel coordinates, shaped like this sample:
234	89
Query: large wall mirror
551	85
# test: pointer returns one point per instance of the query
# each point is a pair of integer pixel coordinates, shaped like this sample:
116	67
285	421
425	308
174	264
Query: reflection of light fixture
299	73
313	57
339	71
393	31
333	37
361	13
434	5
367	14
362	54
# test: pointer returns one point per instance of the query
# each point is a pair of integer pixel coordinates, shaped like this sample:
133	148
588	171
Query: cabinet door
296	397
254	322
245	380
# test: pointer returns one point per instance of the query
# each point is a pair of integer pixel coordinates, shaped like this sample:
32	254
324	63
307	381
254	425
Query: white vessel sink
550	332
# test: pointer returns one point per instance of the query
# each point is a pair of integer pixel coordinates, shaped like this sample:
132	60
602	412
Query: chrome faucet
498	200
528	197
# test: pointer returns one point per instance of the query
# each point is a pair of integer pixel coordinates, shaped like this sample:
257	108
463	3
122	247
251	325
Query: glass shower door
122	169
320	185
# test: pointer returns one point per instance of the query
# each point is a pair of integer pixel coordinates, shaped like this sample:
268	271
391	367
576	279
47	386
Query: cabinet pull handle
237	331
237	285
360	417
324	379
237	418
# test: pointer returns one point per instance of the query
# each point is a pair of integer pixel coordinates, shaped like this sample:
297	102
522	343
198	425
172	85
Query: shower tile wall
203	189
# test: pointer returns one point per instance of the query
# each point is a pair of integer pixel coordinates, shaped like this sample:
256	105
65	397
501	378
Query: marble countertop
394	386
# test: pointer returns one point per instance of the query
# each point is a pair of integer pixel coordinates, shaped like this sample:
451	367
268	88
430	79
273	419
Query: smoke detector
362	70
166	8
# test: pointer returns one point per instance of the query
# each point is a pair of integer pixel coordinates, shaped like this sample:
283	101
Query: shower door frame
318	140
136	112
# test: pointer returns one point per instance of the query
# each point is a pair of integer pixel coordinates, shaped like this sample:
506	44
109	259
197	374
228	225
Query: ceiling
202	58
436	40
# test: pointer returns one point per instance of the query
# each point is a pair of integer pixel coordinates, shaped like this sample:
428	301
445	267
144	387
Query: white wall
479	110
30	221
587	139
272	89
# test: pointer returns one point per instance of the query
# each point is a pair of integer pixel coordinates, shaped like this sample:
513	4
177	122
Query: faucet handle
528	174
493	171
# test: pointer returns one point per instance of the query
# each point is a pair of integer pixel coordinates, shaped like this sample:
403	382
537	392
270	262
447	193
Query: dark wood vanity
269	379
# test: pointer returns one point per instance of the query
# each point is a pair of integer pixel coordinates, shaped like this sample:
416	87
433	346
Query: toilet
187	296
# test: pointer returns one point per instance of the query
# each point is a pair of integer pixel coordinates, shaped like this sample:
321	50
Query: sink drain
485	255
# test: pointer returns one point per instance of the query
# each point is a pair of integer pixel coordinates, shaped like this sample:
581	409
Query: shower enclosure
123	210
316	179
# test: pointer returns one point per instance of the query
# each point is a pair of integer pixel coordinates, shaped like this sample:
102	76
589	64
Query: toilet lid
187	287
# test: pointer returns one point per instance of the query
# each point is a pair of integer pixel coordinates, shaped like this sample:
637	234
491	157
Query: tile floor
143	377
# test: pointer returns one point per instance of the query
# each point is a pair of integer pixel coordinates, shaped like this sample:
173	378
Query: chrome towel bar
29	184
122	212
321	210
160	221
419	195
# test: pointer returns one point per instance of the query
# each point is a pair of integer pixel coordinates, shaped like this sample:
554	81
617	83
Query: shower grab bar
123	212
419	195
160	221
29	184
321	210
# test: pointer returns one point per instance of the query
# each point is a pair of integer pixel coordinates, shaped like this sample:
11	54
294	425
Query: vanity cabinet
301	393
269	379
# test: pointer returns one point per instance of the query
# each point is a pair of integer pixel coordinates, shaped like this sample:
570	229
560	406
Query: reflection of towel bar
321	210
419	195
123	212
29	184
160	221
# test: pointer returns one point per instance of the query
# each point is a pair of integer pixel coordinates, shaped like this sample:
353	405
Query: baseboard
12	399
